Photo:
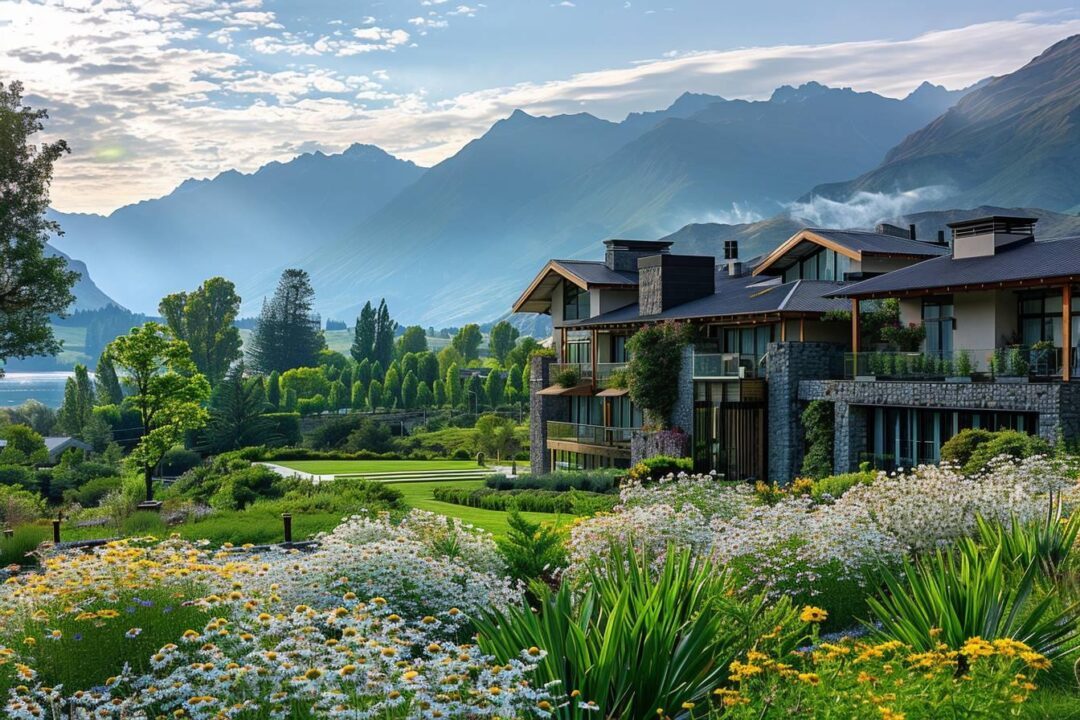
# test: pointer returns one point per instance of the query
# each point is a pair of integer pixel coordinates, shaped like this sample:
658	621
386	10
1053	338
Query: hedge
573	502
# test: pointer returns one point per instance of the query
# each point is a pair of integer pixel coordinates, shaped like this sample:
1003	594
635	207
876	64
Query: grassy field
360	467
419	495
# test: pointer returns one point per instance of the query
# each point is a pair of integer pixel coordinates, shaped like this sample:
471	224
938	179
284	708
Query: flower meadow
694	598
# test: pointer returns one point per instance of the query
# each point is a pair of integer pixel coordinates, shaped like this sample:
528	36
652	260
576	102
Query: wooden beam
783	330
594	352
1066	332
855	325
802	329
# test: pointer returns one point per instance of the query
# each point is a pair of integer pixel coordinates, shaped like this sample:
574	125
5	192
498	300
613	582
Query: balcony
584	372
1012	364
725	366
595	435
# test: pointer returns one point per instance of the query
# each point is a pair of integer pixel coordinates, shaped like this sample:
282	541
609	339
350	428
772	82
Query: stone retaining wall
542	408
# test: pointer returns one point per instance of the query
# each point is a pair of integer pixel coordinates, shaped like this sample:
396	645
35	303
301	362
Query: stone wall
786	365
648	444
1056	404
542	408
644	445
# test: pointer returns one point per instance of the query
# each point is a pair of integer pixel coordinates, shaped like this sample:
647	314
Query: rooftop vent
622	255
984	236
731	256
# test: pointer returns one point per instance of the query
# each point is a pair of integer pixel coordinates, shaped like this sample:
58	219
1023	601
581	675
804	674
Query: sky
151	92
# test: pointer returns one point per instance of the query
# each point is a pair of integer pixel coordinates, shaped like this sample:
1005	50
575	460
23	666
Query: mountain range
482	220
456	242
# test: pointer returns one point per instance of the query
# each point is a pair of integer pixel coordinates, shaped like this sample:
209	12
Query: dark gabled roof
595	272
586	274
735	297
850	243
873	243
1030	263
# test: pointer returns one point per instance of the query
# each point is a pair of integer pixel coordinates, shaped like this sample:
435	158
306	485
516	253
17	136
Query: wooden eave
553	267
969	287
805	236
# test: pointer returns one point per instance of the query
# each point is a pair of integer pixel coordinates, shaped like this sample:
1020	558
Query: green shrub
818	421
532	551
142	524
311	406
573	502
958	449
1011	443
660	466
966	592
596	481
178	461
24	540
1047	542
284	427
656	355
836	485
91	493
568	377
19	476
636	637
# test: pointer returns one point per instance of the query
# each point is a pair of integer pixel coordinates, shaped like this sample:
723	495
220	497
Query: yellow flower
809	678
887	714
811	614
1035	661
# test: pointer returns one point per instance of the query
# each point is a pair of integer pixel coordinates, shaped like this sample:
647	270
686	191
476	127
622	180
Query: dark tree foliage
385	329
413	340
503	337
467	341
32	286
364	335
204	320
107	383
287	334
653	371
817	421
238	408
106	324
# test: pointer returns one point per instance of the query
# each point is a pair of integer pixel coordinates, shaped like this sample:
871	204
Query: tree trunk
149	475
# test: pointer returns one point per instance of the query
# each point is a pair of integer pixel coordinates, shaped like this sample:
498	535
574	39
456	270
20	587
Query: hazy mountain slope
1013	141
465	239
88	296
233	225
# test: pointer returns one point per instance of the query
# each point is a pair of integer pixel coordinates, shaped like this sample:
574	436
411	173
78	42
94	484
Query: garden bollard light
287	518
56	531
8	532
513	468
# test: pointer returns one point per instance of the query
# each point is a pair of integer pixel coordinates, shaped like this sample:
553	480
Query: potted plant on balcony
617	380
1016	366
568	377
962	368
1042	359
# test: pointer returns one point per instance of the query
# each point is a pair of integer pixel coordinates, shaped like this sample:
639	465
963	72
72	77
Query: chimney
941	237
911	231
982	237
894	230
623	255
731	258
665	281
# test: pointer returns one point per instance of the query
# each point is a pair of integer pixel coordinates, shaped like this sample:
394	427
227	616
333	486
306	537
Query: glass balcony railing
604	371
724	366
590	434
582	371
987	364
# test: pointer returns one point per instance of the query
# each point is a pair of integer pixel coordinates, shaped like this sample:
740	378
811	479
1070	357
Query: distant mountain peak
787	93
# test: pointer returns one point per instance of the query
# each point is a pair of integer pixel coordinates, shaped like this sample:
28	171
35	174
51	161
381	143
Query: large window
822	264
575	302
937	317
1040	318
752	340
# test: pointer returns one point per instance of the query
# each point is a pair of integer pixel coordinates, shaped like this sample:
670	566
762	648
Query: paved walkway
294	473
416	475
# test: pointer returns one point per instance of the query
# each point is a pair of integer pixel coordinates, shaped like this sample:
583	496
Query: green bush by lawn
574	502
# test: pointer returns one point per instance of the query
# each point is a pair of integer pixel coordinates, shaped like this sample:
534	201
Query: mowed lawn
360	467
419	495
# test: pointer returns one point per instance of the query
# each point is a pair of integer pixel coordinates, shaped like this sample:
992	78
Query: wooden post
855	337
783	329
593	355
802	329
9	533
287	518
56	532
1066	332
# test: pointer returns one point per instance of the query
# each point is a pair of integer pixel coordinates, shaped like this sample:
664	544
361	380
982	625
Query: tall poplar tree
385	329
364	335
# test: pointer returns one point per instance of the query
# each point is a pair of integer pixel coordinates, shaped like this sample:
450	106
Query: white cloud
864	209
144	108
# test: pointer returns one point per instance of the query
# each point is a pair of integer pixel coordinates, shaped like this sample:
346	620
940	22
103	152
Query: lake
45	387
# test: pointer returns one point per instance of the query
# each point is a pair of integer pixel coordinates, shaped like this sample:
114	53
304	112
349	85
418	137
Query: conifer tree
287	334
107	383
363	346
